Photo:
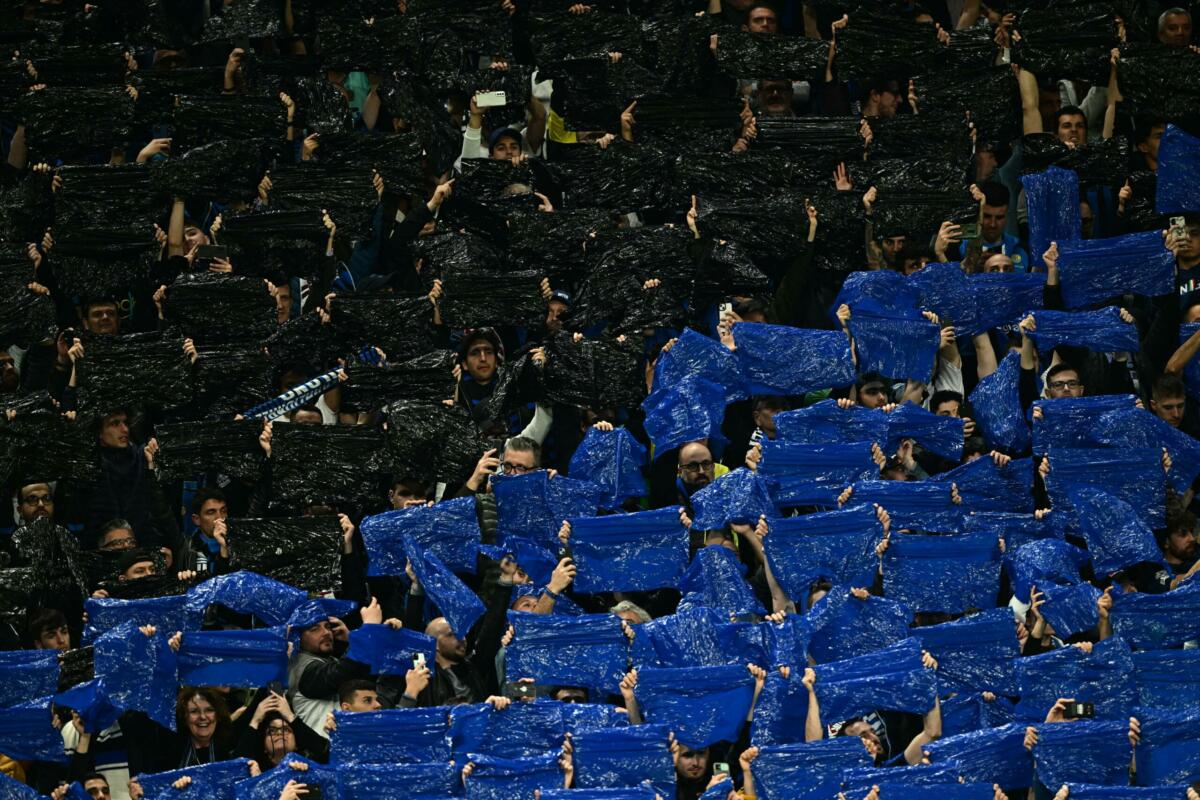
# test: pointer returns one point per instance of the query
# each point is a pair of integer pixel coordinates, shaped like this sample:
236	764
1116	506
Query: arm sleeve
322	678
785	308
539	426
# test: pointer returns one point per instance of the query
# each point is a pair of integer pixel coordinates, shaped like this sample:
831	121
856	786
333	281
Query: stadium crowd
624	399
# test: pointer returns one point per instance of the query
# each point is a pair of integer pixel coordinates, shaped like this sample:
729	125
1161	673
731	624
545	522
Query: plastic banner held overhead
246	659
614	460
449	530
1017	529
782	360
390	651
996	401
1157	621
269	785
25	674
1178	188
218	776
740	496
716	579
1087	791
1097	751
897	348
1045	562
840	625
891	679
1071	609
782	772
391	736
827	422
696	355
1053	200
535	505
89	701
1095	270
943	573
1169	752
1115	536
26	733
814	474
702	705
1138	428
373	781
1071	421
986	486
1003	298
975	653
836	545
1103	677
946	290
685	638
531	729
140	673
512	779
912	505
995	755
684	412
1132	474
624	757
966	713
1167	679
461	607
247	593
587	651
629	552
883	292
937	434
641	793
1101	331
165	613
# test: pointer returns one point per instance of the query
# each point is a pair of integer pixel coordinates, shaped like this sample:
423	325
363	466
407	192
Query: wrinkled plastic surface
531	729
685	638
966	713
1053	200
26	318
612	459
1086	750
588	651
26	732
218	776
1158	621
897	348
534	505
1102	331
429	377
943	573
629	552
741	54
778	359
684	412
715	579
26	674
246	659
826	421
269	785
1139	428
432	442
15	790
1169	751
996	401
1099	162
391	736
224	170
814	474
975	653
324	464
740	496
247	593
643	793
902	780
1115	535
304	552
1069	421
461	607
139	368
702	705
695	354
506	779
984	485
1071	609
165	613
1179	174
389	651
1167	679
1067	42
139	672
1103	677
891	679
836	545
1097	270
449	530
995	755
1003	298
228	446
624	757
935	433
912	505
371	781
881	292
52	551
230	379
1132	474
809	770
90	702
842	626
1042	563
400	326
1083	791
247	309
592	374
475	298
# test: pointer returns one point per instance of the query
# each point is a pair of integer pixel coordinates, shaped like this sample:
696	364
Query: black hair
1060	368
1144	125
880	84
93	776
942	396
43	620
1069	111
348	688
1169	385
995	194
204	495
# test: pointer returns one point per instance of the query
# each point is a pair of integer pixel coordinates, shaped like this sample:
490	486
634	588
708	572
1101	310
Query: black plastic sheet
428	378
741	54
766	226
397	157
1159	81
591	92
255	19
54	554
230	379
205	119
50	444
872	45
26	318
107	195
136	369
227	446
346	193
225	170
16	584
304	552
592	373
214	308
830	140
559	36
479	298
71	123
319	464
453	37
551	243
431	442
274	224
305	340
990	94
1098	163
909	136
622	177
1069	43
349	43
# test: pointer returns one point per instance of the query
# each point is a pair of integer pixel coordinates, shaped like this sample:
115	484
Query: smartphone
968	230
1178	228
520	691
491	99
720	768
723	309
1079	711
206	254
314	792
565	552
418	661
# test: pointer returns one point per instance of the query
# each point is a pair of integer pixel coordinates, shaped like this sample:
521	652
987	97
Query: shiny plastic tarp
842	626
715	579
943	573
449	530
219	776
808	770
975	653
519	731
1045	562
935	433
15	790
587	651
814	474
836	545
1071	421
1158	621
902	780
512	779
1168	679
624	757
269	785
897	348
683	412
304	552
25	674
891	679
643	793
1096	751
140	673
899	787
535	506
247	593
912	505
319	609
168	614
614	460
1053	200
946	290
741	496
1071	609
781	710
26	733
702	705
1101	331
1103	677
1132	474
244	659
1003	298
782	360
827	422
390	736
390	651
89	701
1115	536
1178	189
1016	529
1095	270
419	781
461	607
1139	428
884	292
1084	791
696	355
966	713
629	552
996	401
1169	751
993	755
984	485
686	638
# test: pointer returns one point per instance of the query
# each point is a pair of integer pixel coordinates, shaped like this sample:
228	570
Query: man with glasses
35	501
696	469
1062	380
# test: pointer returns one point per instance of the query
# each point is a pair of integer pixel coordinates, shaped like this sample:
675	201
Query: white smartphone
720	768
491	99
723	309
419	661
1178	228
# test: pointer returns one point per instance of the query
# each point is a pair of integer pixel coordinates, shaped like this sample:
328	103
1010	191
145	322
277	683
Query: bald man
460	677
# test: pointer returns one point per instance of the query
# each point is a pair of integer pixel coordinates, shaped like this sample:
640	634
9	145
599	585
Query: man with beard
1181	554
693	768
10	378
318	669
462	676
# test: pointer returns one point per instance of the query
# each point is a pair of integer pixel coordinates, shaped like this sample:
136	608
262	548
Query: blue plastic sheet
198	789
814	474
15	790
1191	370
391	736
1157	621
908	781
381	781
642	793
740	496
993	755
168	614
782	360
1083	791
461	607
1138	428
841	625
1115	536
943	573
891	679
629	552
912	505
625	757
947	291
683	639
975	653
787	641
614	460
715	579
895	787
1070	421
1096	751
248	593
1134	475
836	545
89	701
534	505
1178	189
996	401
1003	298
1169	751
897	348
26	733
269	785
683	412
827	423
1167	679
1043	563
512	779
747	643
389	651
319	609
1095	270
588	651
1103	677
535	559
966	713
983	485
702	705
937	434
1053	200
449	530
578	717
780	712
1017	529
697	355
1071	609
140	673
519	731
218	776
1101	331
882	292
809	770
563	605
243	659
27	673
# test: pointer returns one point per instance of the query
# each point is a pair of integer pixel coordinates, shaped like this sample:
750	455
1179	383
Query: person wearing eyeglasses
34	501
275	731
696	469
